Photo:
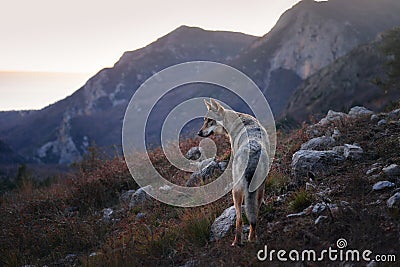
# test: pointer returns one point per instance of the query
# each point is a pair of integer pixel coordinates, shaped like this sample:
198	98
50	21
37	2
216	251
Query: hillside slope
97	217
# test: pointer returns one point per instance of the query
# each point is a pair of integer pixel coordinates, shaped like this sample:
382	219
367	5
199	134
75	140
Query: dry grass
37	227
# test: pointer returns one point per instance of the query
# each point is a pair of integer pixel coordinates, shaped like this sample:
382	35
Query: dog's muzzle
201	134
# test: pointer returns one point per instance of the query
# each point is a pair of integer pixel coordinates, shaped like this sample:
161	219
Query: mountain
61	133
310	36
349	81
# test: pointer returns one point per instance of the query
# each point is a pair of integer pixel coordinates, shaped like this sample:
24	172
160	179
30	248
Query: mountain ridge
63	131
298	46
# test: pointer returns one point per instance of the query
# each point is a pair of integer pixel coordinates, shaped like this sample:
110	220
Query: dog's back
250	163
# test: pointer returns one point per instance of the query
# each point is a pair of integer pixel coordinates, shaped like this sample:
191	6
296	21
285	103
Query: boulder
353	152
209	171
318	208
382	122
223	224
382	185
394	201
331	116
339	150
392	170
394	114
319	143
127	195
140	196
194	153
358	111
374	117
316	162
204	163
372	170
140	215
223	165
107	214
336	134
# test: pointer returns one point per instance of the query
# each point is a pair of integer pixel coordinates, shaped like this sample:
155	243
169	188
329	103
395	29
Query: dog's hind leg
238	200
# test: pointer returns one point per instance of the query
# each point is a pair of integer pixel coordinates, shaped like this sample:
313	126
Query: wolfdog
249	144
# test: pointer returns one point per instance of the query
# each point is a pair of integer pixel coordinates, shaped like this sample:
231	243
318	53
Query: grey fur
249	142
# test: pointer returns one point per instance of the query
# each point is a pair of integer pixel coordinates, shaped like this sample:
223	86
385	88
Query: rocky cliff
310	36
354	79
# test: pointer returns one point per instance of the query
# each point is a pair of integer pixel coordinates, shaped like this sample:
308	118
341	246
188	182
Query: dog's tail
251	207
250	198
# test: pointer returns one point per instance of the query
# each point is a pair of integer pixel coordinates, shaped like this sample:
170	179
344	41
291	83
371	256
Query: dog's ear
208	105
214	105
217	106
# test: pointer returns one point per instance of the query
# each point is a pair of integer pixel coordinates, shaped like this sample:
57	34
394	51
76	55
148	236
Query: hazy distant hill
36	89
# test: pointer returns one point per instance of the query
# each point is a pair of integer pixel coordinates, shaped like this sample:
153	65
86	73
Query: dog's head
213	119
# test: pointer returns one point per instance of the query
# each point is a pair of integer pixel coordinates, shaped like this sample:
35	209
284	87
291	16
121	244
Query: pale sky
84	36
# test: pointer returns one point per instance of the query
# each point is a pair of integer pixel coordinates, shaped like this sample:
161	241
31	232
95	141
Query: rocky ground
334	184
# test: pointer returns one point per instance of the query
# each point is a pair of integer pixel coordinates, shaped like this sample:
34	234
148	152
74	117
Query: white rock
107	214
222	165
319	143
382	122
352	152
394	201
332	116
336	134
223	224
382	185
374	117
344	203
299	214
140	215
165	187
320	219
140	196
358	111
318	208
207	172
126	196
205	163
394	113
304	161
194	153
372	170
392	170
